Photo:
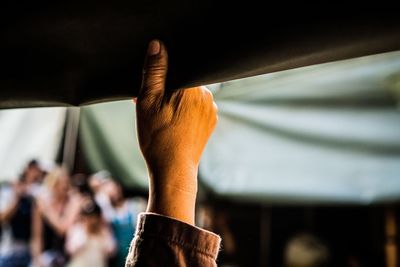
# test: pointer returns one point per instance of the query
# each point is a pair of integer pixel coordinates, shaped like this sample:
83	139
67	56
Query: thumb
154	70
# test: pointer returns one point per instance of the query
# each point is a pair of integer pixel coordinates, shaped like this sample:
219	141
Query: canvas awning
27	134
72	53
322	134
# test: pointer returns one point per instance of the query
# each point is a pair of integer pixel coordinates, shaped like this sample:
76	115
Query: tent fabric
72	53
108	135
328	133
27	134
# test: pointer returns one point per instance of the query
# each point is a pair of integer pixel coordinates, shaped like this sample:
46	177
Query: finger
154	70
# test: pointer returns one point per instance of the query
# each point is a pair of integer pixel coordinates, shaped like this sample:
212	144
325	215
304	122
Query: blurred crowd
50	218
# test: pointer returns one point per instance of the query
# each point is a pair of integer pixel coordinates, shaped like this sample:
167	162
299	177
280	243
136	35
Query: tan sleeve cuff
185	235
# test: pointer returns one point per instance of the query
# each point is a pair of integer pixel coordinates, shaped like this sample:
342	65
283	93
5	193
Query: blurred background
303	170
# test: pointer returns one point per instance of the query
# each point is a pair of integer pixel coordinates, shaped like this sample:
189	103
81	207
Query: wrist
183	177
173	202
173	195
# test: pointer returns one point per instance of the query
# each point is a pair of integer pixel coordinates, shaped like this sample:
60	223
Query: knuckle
207	92
156	68
215	106
147	100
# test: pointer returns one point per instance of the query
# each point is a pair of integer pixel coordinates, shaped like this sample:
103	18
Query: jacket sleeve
163	241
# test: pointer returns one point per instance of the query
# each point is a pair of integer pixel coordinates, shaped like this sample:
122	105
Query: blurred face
114	192
94	184
62	186
33	174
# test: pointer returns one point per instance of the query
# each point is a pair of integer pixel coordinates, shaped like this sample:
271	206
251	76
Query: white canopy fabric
26	134
328	133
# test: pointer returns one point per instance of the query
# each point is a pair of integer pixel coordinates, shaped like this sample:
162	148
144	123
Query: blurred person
80	185
98	183
89	242
97	179
59	209
19	214
46	166
306	250
33	172
122	217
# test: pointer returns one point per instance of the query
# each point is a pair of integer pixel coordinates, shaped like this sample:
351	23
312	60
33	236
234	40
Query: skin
62	201
31	175
19	189
173	128
114	192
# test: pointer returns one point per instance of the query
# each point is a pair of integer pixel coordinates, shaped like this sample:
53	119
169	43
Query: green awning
321	134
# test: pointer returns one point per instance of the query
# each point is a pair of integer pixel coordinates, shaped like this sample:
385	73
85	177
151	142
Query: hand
20	189
173	129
